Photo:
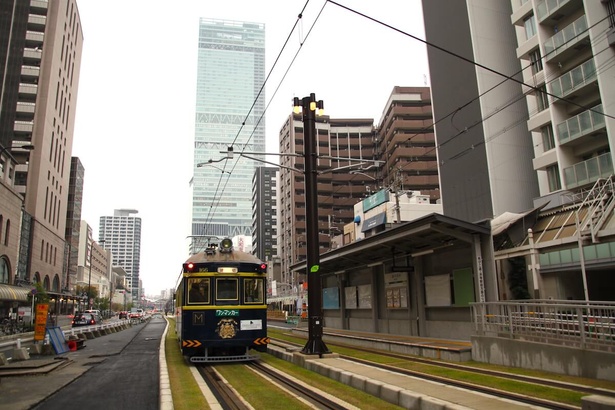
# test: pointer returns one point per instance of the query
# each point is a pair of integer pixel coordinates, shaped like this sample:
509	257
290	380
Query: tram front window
198	291
226	289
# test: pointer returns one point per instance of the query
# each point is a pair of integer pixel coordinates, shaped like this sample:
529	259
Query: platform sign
41	321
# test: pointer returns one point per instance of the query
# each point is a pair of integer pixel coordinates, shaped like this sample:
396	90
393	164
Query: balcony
30	73
586	123
563	40
25	111
555	10
574	80
32	56
36	22
23	127
34	39
588	172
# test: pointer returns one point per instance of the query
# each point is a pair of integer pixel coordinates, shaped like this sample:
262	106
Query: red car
123	315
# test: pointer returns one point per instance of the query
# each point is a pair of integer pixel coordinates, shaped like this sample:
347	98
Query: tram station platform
432	348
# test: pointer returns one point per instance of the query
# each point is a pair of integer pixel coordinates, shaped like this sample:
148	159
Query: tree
41	294
517	278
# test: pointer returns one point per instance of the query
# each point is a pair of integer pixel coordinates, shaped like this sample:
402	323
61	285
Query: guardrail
16	341
579	324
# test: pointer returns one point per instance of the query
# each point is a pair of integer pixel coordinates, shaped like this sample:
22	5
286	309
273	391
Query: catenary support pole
315	344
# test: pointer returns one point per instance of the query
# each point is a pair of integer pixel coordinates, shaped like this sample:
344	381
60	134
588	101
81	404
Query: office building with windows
40	52
264	213
121	234
230	104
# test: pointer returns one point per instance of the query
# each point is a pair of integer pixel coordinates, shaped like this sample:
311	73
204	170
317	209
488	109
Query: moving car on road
85	319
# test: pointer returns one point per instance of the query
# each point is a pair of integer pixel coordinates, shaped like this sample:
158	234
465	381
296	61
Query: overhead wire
213	208
452	114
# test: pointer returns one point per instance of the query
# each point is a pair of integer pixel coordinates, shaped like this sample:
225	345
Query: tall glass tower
230	103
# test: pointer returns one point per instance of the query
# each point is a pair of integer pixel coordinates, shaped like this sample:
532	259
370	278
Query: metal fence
579	324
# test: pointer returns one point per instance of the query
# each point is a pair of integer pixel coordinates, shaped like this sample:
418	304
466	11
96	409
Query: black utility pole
314	345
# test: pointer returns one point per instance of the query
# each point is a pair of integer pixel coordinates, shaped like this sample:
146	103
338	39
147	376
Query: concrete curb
393	394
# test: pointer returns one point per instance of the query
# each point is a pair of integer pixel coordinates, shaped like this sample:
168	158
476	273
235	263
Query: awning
16	293
374	221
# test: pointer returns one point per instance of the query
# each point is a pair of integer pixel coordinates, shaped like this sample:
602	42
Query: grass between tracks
186	393
251	388
528	389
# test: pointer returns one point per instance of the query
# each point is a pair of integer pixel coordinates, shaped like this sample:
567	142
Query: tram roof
425	234
217	256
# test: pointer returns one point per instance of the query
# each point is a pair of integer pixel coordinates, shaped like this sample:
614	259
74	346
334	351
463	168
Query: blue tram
220	305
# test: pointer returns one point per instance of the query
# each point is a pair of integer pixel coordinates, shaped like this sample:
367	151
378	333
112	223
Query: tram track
469	370
307	393
229	399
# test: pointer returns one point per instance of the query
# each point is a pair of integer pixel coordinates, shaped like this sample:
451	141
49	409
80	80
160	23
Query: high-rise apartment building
121	234
525	122
406	143
485	150
566	49
341	143
264	213
40	53
230	103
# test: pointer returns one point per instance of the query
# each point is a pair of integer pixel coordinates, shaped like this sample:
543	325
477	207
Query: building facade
41	45
566	49
485	150
265	213
73	222
343	145
230	78
121	234
407	143
94	264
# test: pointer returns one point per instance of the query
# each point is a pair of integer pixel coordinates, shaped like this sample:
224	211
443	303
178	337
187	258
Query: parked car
85	319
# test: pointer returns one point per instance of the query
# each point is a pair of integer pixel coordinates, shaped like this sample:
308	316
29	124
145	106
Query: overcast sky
136	105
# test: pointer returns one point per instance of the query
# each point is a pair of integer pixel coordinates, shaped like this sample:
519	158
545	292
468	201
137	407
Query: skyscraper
121	234
230	103
40	58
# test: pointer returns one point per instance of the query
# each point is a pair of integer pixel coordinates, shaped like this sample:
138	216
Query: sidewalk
23	384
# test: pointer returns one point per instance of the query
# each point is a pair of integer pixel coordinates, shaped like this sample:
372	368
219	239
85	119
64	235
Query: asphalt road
128	380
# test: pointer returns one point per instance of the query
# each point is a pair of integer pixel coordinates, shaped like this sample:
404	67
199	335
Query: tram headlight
226	245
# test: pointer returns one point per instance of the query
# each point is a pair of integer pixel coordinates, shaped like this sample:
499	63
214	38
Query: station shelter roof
423	235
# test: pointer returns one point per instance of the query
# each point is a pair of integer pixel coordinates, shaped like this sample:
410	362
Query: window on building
555	184
4	271
535	61
548	140
530	27
542	98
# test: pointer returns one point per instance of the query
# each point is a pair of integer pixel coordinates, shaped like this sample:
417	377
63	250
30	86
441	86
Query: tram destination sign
227	312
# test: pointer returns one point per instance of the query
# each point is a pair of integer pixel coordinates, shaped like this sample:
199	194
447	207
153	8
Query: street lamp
90	275
202	164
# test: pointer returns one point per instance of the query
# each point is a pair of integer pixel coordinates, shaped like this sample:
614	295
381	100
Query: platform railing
579	324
